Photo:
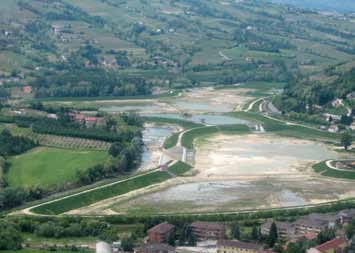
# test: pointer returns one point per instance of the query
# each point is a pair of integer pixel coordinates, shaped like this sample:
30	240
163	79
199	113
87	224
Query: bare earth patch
239	173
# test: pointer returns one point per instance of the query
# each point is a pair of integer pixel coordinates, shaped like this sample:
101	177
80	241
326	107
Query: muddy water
153	138
238	195
248	172
262	154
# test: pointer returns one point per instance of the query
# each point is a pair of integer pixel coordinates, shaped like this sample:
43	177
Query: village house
351	95
204	231
155	248
160	233
337	245
27	89
337	102
333	129
332	117
228	246
284	229
88	121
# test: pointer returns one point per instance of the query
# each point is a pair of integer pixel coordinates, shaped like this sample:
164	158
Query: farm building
204	231
160	233
228	246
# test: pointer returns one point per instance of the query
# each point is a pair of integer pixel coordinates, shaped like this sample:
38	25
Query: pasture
47	167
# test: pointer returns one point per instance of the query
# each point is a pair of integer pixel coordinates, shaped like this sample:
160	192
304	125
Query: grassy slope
171	141
189	137
180	168
280	128
88	198
323	169
46	167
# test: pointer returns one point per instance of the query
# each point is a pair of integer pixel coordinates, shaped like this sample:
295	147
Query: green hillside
91	48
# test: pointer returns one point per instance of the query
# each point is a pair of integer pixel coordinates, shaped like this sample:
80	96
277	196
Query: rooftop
333	244
161	228
238	244
153	247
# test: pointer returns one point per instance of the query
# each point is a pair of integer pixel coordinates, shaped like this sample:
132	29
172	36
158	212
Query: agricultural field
57	141
48	167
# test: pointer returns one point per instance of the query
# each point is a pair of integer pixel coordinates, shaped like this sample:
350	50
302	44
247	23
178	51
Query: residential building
333	129
351	95
346	216
204	231
337	102
155	248
314	223
336	245
284	229
160	233
27	89
228	246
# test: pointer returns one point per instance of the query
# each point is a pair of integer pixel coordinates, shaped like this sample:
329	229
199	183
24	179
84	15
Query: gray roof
153	247
238	244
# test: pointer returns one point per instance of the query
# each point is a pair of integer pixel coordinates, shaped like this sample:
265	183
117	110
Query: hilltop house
204	231
160	233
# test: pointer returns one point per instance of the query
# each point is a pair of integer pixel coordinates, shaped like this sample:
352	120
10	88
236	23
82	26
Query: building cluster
211	237
308	226
88	121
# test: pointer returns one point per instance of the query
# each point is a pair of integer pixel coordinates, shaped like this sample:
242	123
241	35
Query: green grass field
188	138
88	198
45	251
47	167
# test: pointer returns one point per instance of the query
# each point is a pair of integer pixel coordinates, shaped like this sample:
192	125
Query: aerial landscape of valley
188	126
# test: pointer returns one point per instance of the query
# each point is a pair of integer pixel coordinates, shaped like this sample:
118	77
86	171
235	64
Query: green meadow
47	167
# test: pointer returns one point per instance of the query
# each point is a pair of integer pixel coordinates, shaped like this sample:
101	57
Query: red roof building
336	245
160	233
27	89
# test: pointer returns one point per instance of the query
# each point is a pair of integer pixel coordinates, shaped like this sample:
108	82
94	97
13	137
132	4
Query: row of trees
14	145
124	158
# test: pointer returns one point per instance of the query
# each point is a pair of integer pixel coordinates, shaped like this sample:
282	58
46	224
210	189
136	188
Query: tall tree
273	235
346	140
235	231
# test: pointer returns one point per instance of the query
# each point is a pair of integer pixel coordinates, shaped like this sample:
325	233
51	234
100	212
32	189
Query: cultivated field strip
69	142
